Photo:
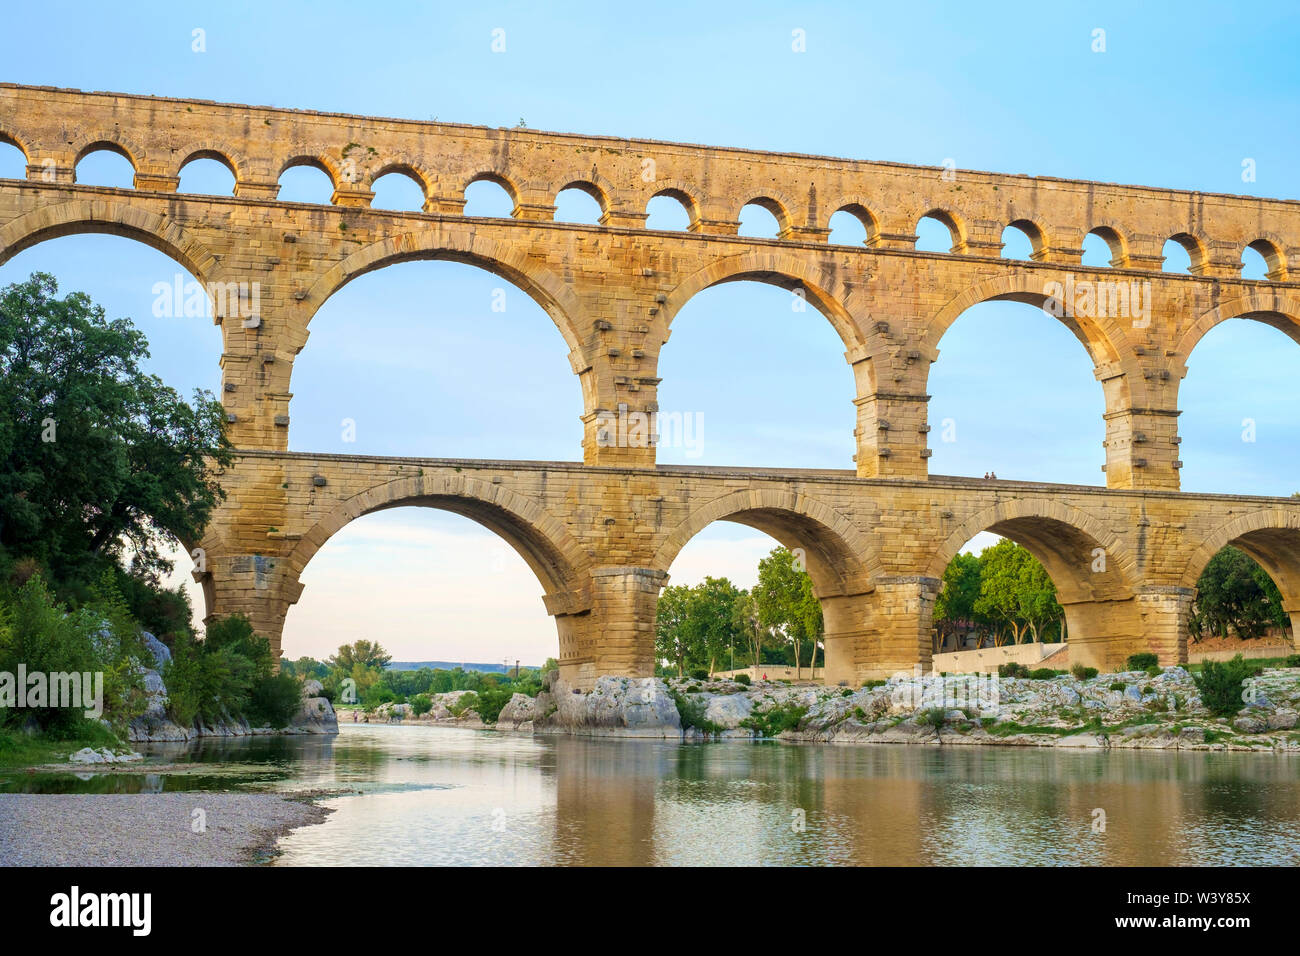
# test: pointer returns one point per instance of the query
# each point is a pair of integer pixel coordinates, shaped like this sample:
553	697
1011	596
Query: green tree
958	593
365	653
712	620
672	640
785	602
695	627
1016	591
749	627
96	457
1235	593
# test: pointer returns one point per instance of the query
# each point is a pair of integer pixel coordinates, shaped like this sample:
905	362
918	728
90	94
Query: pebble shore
146	829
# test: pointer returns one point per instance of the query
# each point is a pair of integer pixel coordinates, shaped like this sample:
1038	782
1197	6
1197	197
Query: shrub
490	702
224	674
744	678
1293	660
38	632
699	673
776	719
1140	662
1220	684
932	718
1043	673
1083	673
1013	670
274	700
692	712
466	702
421	704
1118	685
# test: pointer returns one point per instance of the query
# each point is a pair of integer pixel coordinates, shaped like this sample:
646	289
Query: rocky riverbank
1133	709
315	714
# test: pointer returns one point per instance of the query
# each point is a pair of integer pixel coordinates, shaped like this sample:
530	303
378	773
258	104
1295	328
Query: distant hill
451	665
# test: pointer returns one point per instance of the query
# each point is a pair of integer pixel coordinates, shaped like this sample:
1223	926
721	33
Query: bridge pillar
617	636
1164	613
882	633
1102	634
846	619
892	427
1142	448
254	585
1141	421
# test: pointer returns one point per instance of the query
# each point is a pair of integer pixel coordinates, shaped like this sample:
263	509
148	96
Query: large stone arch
1108	615
457	242
240	166
1275	307
1060	536
1270	535
1104	339
825	288
113	217
840	557
540	539
460	244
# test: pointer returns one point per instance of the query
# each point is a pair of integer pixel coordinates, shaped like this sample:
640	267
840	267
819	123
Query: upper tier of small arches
983	214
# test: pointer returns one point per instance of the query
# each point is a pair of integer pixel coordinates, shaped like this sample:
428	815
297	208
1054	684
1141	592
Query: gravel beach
145	829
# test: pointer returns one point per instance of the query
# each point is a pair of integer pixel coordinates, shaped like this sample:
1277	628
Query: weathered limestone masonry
601	535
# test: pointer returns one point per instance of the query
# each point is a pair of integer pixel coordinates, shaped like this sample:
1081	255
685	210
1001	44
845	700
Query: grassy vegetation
775	720
692	714
1255	663
1094	725
18	749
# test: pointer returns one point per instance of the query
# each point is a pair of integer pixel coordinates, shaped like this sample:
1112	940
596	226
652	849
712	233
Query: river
429	795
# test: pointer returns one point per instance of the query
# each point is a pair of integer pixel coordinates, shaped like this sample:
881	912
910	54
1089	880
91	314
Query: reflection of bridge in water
601	535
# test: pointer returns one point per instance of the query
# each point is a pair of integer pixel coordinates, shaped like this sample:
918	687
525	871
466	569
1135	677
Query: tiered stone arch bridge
601	534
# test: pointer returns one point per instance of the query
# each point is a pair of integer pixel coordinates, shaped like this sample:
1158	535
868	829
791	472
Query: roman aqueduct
601	534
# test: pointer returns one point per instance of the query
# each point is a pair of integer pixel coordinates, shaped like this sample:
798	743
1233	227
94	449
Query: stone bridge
601	534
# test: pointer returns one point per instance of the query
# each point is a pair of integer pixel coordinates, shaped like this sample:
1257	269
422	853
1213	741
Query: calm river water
442	796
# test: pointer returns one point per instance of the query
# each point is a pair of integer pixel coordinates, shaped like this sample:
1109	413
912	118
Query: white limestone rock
517	713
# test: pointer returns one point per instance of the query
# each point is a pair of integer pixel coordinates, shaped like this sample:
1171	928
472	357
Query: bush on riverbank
776	720
43	636
1221	684
691	713
230	674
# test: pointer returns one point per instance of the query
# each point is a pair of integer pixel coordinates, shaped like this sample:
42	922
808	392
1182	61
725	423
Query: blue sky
1179	98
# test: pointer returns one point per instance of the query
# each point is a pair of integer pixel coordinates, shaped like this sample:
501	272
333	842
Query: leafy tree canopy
1235	594
95	455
